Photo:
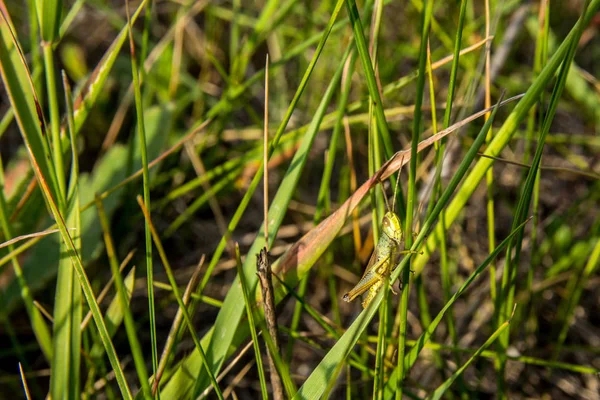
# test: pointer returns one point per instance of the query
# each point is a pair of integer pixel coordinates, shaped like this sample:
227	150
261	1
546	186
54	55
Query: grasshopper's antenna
397	182
385	198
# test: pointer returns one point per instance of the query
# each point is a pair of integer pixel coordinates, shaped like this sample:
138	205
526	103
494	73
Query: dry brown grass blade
303	254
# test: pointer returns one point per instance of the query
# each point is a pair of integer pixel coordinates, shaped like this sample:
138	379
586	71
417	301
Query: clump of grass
373	72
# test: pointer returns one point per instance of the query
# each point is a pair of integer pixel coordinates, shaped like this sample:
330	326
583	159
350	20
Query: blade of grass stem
123	298
508	285
367	65
182	307
250	316
439	392
412	192
146	190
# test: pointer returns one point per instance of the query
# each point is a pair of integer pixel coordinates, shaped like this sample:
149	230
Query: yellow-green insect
381	261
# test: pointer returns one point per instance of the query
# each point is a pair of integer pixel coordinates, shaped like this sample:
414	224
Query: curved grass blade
64	378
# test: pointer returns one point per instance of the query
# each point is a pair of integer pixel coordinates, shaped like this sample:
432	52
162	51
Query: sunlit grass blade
114	314
19	87
367	64
439	392
95	84
64	380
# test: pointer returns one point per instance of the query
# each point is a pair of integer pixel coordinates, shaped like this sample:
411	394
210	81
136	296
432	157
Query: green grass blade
74	256
24	100
250	316
146	190
411	195
182	306
95	84
439	392
123	295
411	358
367	65
64	379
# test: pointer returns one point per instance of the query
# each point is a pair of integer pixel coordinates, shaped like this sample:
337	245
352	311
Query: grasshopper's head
391	226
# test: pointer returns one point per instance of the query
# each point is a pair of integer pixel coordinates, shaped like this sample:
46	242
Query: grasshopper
381	262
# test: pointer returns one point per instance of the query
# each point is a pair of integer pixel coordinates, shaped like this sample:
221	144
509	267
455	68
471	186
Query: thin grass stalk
52	93
367	64
439	392
250	316
508	287
74	218
540	59
412	193
130	326
146	190
489	175
177	295
64	379
424	313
